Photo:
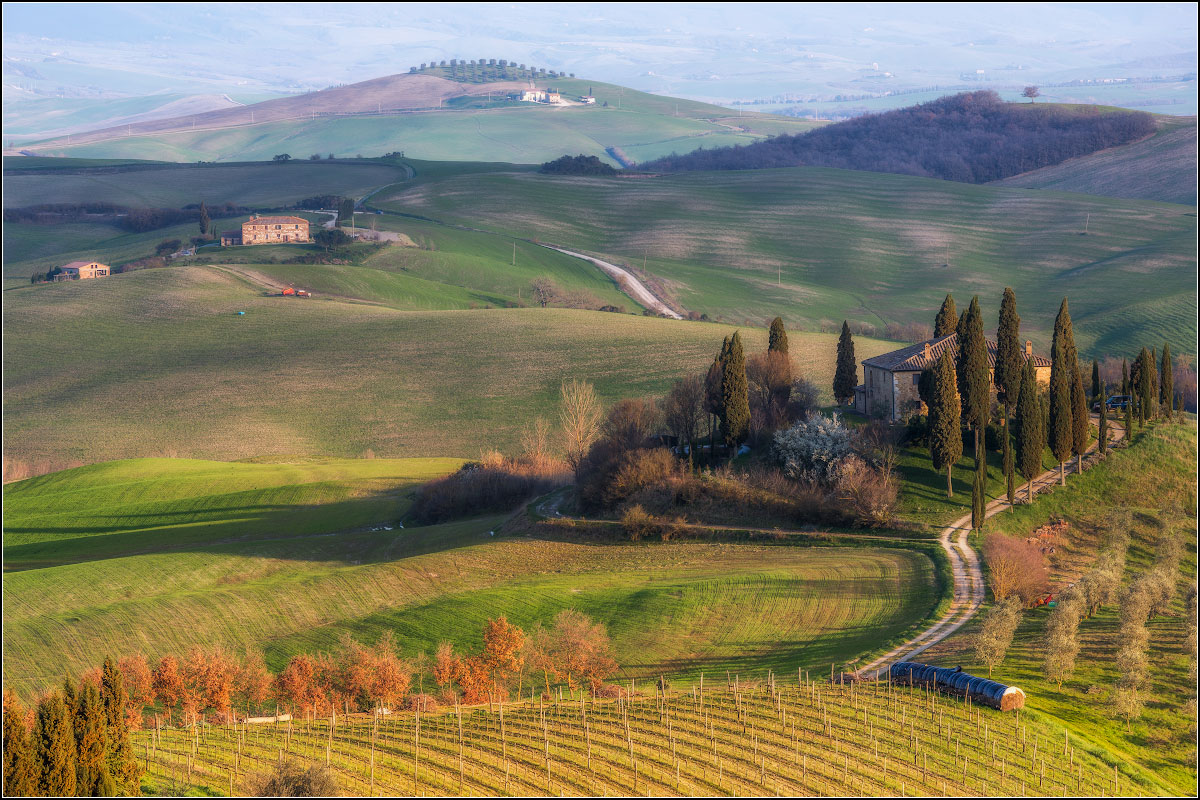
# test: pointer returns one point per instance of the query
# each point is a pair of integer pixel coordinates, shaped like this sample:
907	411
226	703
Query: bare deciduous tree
683	411
1015	567
580	415
535	441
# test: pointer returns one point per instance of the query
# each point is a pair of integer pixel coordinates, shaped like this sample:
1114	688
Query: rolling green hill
644	126
114	555
164	365
816	244
1162	167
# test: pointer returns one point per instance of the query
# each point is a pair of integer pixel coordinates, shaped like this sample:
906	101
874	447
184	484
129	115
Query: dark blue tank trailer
958	683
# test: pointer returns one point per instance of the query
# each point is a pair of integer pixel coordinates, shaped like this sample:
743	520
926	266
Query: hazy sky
712	50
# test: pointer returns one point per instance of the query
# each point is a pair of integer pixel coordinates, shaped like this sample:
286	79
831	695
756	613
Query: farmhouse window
278	227
916	378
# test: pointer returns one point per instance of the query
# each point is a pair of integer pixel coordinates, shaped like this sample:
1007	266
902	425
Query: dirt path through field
626	280
964	564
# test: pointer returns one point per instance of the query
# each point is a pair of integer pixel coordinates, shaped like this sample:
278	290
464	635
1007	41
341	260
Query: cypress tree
845	378
1141	386
735	397
1010	362
947	318
54	748
122	764
978	500
1095	378
1028	431
91	739
945	428
712	393
1166	385
1124	376
205	222
1079	419
1135	388
20	768
1128	422
1103	396
70	693
778	341
974	385
1060	432
1153	386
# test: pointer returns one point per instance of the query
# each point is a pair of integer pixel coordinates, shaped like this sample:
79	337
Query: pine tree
1060	433
1028	431
846	376
945	427
1095	378
1010	363
20	768
205	222
946	320
1079	419
1166	386
1103	435
122	764
54	748
91	740
778	340
735	397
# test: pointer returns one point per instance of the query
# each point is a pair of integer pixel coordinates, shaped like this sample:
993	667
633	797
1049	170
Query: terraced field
819	244
795	736
169	367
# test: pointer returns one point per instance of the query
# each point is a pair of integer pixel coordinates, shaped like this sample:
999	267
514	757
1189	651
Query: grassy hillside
113	555
645	125
264	185
1158	470
1162	167
817	244
165	365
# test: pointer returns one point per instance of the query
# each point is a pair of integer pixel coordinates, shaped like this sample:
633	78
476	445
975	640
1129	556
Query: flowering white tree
813	449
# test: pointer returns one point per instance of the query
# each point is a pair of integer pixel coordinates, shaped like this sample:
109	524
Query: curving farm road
968	577
626	280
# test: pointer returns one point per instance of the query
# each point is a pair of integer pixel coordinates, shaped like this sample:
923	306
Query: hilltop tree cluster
485	70
973	137
577	165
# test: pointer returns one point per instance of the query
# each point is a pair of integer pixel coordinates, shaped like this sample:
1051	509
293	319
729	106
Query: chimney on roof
1028	348
928	353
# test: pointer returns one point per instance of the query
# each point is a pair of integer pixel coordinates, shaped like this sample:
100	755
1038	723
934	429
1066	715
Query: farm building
83	270
889	387
273	230
231	238
958	683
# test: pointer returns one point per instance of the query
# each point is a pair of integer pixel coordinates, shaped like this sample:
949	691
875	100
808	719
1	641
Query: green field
1162	167
645	125
165	365
1159	469
112	556
816	244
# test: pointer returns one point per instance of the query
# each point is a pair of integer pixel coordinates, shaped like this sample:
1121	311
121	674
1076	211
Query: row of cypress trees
730	387
78	746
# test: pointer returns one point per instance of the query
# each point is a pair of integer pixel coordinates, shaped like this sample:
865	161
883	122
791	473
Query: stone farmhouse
267	230
890	381
83	270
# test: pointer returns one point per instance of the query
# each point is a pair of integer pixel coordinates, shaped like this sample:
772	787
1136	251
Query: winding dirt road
626	280
964	564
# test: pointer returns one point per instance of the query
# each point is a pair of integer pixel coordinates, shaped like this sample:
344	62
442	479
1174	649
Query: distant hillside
1162	167
973	137
435	118
55	117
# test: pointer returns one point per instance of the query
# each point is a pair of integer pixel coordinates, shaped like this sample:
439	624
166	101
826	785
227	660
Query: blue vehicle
1117	402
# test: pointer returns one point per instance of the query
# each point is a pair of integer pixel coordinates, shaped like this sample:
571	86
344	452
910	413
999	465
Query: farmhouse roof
79	264
923	355
277	220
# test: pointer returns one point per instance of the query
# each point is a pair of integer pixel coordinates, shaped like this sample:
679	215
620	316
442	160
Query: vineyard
809	737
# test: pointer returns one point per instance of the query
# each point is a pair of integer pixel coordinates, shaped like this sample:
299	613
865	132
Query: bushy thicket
290	779
494	484
577	165
813	448
974	137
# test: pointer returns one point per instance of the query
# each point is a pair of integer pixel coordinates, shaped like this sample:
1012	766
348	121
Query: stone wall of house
255	232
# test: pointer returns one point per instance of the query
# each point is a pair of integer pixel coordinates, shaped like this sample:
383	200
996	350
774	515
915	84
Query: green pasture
821	244
165	366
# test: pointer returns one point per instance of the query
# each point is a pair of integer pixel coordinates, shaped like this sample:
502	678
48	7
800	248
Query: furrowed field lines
815	244
804	738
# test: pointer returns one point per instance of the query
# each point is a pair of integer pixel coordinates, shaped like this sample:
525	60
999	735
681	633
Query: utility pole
514	254
1086	222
